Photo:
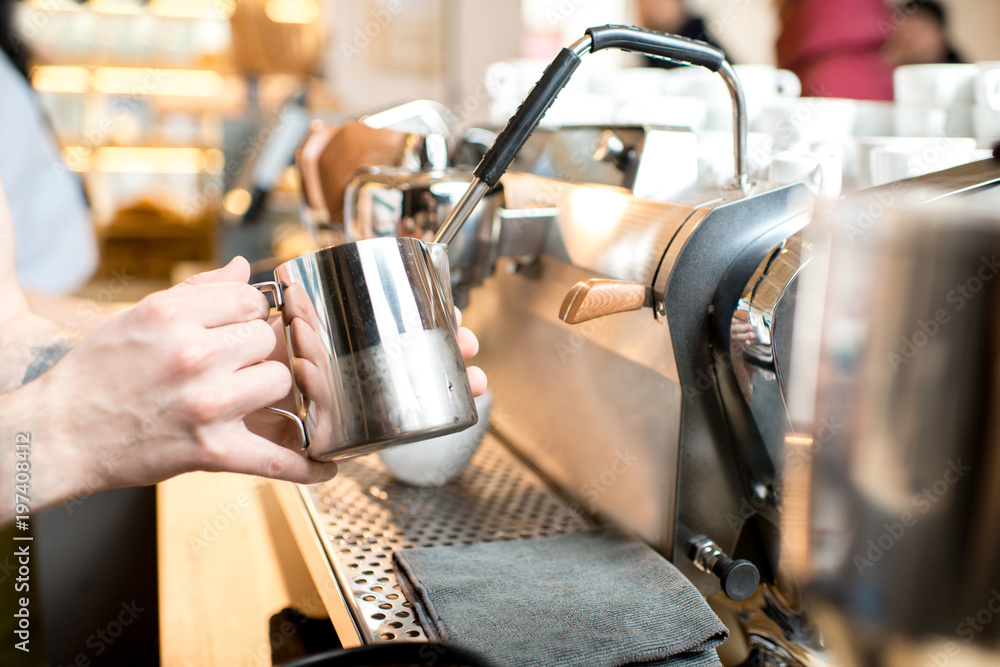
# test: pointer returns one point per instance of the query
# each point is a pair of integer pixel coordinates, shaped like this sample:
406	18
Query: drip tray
363	515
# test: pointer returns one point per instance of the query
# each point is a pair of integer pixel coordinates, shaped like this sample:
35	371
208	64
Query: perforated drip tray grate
363	515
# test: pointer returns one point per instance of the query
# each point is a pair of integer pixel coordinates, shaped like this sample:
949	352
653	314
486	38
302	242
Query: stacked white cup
508	82
934	100
763	85
649	95
986	112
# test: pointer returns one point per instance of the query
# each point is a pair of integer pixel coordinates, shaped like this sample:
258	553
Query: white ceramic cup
631	83
692	81
570	108
940	85
987	86
664	110
438	461
860	167
796	123
767	81
986	121
514	78
715	157
874	119
761	85
909	157
921	120
820	173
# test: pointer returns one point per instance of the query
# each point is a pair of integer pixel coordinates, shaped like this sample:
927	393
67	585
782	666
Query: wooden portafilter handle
590	299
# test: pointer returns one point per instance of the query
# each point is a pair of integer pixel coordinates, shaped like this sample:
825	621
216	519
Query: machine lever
590	299
739	577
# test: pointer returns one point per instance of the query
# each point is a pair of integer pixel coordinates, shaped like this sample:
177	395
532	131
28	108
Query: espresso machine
637	336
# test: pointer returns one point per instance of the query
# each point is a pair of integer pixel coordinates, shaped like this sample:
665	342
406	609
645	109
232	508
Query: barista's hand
468	344
311	368
161	389
330	156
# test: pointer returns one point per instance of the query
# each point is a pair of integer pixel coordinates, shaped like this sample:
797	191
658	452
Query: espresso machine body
673	420
636	417
670	417
628	414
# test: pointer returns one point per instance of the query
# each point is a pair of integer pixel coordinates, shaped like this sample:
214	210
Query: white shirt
56	244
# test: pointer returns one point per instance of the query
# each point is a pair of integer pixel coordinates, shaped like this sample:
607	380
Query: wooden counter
227	563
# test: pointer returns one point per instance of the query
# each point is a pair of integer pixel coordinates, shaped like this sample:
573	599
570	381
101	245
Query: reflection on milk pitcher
370	329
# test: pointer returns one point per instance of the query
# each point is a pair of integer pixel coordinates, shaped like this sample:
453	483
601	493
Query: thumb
237	271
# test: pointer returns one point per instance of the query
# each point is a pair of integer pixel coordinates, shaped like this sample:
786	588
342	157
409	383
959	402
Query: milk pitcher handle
279	303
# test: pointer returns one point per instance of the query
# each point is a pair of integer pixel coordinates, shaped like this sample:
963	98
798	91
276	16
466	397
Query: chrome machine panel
602	409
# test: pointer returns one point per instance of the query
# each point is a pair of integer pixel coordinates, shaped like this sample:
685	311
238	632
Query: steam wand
524	121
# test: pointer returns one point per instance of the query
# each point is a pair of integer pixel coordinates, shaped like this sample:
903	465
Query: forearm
77	316
29	414
32	476
31	344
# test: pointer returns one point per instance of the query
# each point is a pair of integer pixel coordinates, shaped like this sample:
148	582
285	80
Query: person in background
836	48
671	16
920	35
56	243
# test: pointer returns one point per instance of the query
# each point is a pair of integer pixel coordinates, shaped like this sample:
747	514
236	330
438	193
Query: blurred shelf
145	159
167	9
159	104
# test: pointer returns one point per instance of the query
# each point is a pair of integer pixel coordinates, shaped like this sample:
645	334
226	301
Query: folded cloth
597	598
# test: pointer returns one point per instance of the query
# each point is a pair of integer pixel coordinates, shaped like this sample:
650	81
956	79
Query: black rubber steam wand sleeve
557	74
527	117
657	44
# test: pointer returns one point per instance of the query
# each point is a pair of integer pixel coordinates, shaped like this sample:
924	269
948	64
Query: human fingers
237	271
232	396
243	344
241	451
211	304
477	380
468	344
274	427
280	350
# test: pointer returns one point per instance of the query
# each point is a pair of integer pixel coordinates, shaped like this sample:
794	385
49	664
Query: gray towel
597	598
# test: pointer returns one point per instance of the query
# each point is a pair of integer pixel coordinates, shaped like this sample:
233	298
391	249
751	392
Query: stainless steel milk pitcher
370	329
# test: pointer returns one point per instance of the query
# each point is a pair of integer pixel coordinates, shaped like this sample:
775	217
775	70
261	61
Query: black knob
739	577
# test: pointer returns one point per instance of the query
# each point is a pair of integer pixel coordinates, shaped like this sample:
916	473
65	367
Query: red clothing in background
835	48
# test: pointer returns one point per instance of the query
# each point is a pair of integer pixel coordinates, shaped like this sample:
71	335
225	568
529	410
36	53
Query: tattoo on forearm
43	358
29	348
